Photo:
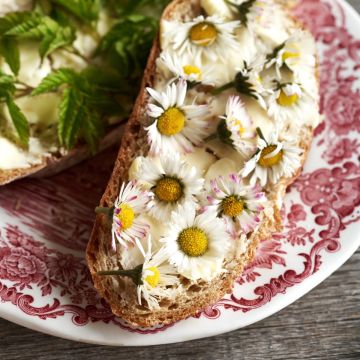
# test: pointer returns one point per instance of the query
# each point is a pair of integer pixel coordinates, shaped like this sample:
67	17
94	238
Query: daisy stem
211	137
220	89
133	274
260	133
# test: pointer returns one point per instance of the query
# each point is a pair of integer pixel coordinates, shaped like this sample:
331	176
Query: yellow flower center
203	34
288	55
193	242
238	124
126	216
168	189
231	206
171	122
192	70
153	280
270	161
287	100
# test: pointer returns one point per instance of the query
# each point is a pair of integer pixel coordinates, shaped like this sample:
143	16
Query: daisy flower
274	159
152	276
173	184
196	245
188	69
208	37
156	275
177	127
297	53
235	202
126	226
236	127
289	102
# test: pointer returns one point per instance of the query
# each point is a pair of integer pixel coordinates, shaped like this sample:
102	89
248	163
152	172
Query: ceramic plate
45	224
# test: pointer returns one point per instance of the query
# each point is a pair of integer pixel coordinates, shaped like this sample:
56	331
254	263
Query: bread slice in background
52	164
120	292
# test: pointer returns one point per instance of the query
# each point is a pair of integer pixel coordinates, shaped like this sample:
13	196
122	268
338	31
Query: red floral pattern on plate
320	205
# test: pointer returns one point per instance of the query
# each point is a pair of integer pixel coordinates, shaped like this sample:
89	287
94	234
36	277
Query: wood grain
325	324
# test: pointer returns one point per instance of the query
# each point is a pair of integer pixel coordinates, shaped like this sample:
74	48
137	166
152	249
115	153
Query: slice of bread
120	292
55	163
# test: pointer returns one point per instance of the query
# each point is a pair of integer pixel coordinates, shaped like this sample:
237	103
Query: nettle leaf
86	10
19	120
54	80
69	117
93	129
55	40
38	27
10	51
12	20
128	42
123	7
7	90
78	119
7	83
28	28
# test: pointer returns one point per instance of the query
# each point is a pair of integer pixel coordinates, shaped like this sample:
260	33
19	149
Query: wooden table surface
325	324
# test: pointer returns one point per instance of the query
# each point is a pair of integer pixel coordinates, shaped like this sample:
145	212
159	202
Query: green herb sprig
7	91
110	82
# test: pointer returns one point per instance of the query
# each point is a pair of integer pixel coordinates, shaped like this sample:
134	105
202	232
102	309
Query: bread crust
53	164
98	253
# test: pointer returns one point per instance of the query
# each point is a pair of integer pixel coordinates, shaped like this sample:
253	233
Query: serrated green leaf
7	85
55	40
29	28
93	129
106	78
19	120
6	80
13	19
68	110
10	51
128	42
149	7
86	10
54	80
43	28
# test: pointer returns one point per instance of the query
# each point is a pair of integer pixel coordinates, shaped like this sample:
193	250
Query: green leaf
19	120
7	85
55	40
10	51
70	116
93	129
54	80
12	20
28	28
51	34
86	10
149	7
127	44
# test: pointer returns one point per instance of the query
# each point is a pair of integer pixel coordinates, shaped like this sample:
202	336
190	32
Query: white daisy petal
173	184
197	249
170	129
273	160
131	202
238	203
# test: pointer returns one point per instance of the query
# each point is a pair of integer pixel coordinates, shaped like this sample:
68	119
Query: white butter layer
41	112
13	157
